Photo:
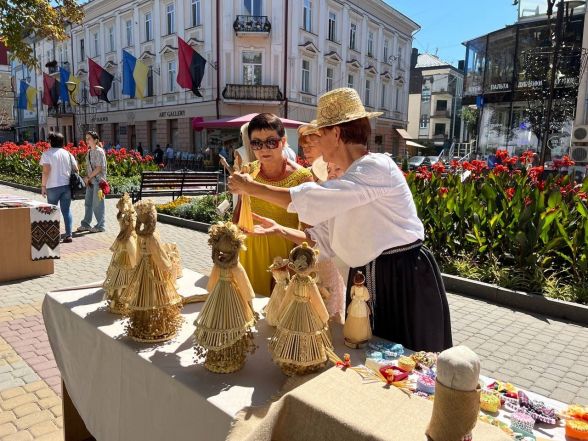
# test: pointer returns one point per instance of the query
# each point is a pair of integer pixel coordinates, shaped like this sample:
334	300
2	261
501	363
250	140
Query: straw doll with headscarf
152	302
281	275
223	332
301	341
124	256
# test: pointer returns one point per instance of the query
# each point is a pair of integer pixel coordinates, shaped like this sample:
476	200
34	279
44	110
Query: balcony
441	114
252	25
252	92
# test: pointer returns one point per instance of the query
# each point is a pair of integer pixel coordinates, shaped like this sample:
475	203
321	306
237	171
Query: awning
414	144
235	122
404	133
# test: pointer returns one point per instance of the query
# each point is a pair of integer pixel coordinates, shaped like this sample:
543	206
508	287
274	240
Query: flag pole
37	92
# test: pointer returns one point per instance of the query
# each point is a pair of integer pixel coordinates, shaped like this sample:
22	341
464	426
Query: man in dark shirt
158	155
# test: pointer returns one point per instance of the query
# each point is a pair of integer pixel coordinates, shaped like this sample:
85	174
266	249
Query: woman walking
95	172
58	165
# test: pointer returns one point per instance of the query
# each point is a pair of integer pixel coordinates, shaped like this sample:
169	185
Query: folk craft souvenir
301	342
174	255
406	363
357	329
124	256
281	275
457	395
577	429
224	334
245	215
153	305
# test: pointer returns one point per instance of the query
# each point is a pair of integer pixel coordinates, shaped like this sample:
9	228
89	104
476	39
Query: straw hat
319	169
340	106
308	129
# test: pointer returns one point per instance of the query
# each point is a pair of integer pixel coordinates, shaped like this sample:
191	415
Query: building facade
434	107
507	75
259	58
6	97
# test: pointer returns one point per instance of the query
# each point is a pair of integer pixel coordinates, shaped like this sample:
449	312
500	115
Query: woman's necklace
274	178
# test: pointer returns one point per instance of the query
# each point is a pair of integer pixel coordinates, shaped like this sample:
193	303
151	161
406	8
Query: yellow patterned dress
261	250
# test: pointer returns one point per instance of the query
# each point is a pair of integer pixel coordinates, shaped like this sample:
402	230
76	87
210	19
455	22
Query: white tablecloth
125	390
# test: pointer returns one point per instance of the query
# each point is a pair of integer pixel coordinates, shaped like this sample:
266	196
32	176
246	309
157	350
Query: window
370	44
398	99
111	39
439	129
171	18
114	89
426	94
384	92
400	50
60	55
352	32
253	7
171	76
424	122
332	26
441	105
196	19
350	81
148	27
385	51
252	67
368	85
307	15
129	32
329	79
150	91
306	76
96	44
82	50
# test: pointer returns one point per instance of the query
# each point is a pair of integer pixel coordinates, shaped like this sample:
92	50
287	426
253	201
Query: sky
445	24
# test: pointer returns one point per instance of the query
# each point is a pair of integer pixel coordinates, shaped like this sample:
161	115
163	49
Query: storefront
507	75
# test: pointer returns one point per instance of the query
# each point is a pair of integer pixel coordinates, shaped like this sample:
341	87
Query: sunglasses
270	143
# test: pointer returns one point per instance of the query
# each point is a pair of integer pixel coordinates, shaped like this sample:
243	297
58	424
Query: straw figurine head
358	278
278	264
124	204
226	240
303	258
146	218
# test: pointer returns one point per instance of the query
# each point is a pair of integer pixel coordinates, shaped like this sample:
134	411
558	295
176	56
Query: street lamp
85	100
562	6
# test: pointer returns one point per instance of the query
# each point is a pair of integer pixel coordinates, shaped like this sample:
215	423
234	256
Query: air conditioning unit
580	134
579	153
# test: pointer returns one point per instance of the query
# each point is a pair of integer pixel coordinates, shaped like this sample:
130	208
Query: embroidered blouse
366	211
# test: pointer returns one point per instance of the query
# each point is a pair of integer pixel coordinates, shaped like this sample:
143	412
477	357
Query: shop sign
530	84
500	87
100	119
172	114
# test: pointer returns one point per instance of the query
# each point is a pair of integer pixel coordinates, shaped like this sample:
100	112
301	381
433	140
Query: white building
259	59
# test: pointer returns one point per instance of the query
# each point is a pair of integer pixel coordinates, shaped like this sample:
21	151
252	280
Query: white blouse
366	211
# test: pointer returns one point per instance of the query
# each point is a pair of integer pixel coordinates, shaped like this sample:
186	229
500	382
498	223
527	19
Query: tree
470	116
38	18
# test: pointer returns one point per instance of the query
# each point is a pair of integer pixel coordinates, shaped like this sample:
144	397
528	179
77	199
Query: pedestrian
95	173
169	157
140	149
58	165
158	155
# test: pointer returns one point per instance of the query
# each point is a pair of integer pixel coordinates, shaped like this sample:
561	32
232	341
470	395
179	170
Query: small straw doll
301	341
152	302
174	255
224	326
124	257
281	275
357	329
245	215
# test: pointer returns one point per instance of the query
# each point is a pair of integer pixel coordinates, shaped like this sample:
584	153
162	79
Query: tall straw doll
281	275
153	304
299	345
124	256
223	332
357	329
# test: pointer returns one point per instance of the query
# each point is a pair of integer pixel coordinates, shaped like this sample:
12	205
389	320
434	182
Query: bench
177	183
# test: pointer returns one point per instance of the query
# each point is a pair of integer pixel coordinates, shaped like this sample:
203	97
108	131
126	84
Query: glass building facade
506	75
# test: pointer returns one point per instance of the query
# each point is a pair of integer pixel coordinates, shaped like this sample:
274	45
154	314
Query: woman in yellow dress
267	139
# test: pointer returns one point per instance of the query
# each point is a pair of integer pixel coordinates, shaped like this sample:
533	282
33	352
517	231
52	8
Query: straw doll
299	345
357	329
245	221
174	255
224	326
281	275
153	304
124	257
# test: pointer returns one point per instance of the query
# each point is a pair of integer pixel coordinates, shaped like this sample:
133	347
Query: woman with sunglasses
267	138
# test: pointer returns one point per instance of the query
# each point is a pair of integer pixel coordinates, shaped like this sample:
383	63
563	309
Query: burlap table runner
336	405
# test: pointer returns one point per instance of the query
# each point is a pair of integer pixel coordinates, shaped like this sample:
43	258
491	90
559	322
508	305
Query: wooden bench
177	183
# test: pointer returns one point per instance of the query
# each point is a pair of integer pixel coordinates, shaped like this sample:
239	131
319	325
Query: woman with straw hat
368	218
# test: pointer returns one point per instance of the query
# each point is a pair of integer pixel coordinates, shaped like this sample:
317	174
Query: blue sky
446	24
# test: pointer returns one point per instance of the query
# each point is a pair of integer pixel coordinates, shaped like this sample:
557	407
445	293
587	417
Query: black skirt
410	304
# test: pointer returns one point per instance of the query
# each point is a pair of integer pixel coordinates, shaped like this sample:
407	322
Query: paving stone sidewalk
535	352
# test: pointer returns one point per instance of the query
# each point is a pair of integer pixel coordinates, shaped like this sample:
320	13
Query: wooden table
15	247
